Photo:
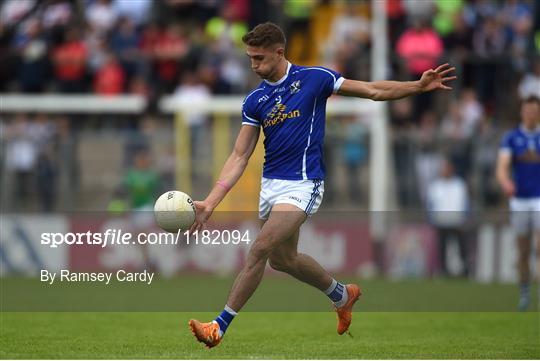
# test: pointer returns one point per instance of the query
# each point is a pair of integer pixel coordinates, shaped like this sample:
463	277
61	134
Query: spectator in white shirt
194	91
21	156
447	204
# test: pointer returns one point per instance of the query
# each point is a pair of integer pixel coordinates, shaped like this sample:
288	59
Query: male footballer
518	173
289	105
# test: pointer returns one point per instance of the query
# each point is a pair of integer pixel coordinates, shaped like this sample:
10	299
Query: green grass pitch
466	320
136	335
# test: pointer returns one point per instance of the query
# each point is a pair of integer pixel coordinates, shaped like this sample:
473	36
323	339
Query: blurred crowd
122	46
150	47
194	49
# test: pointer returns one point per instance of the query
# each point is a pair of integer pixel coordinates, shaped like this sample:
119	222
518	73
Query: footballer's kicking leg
285	258
283	222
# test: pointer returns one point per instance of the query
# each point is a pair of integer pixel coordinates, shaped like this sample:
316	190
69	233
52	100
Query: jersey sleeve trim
337	84
249	121
505	150
251	124
246	119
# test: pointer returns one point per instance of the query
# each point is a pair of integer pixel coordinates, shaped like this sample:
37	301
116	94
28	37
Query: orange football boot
344	313
207	333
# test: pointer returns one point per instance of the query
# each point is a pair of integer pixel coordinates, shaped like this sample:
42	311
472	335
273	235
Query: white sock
337	292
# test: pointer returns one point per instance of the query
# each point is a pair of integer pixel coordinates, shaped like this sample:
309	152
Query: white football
174	210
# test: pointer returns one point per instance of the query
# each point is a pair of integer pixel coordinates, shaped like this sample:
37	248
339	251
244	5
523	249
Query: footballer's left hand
436	79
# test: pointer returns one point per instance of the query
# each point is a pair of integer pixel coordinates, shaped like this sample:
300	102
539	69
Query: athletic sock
337	293
224	319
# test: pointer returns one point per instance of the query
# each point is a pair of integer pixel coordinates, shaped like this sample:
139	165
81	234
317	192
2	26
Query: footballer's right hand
203	211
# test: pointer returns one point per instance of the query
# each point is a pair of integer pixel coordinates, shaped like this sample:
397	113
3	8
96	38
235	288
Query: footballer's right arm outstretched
231	172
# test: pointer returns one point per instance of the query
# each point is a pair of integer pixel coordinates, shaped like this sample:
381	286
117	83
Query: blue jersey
292	113
524	147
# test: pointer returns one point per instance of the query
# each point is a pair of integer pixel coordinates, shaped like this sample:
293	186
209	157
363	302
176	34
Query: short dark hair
265	35
532	99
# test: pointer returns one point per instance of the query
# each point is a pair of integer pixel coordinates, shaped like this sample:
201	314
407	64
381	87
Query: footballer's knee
262	248
279	265
282	264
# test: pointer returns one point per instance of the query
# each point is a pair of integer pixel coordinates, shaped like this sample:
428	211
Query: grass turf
275	294
446	332
278	335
